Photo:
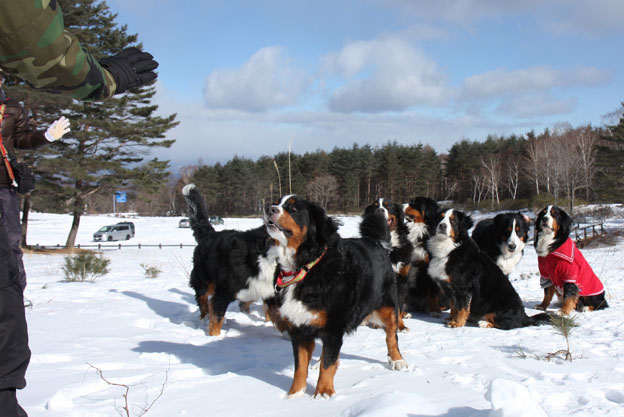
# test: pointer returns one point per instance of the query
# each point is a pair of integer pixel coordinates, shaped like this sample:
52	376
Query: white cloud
265	81
592	18
536	105
501	81
385	75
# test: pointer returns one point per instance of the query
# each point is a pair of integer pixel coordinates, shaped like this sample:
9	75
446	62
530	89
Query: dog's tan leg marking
460	318
549	292
304	354
569	304
325	383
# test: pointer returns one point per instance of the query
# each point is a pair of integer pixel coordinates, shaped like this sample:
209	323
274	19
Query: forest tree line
565	165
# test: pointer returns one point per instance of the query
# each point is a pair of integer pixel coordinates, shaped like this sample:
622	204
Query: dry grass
31	250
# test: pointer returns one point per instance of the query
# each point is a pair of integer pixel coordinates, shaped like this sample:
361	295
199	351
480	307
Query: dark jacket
14	351
17	134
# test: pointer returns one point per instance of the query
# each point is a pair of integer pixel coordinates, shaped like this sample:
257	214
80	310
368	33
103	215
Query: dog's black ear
324	226
498	219
467	222
565	223
432	212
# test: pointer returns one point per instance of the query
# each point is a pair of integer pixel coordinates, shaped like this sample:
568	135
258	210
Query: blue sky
248	78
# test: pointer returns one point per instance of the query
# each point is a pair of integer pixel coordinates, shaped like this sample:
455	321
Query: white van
113	232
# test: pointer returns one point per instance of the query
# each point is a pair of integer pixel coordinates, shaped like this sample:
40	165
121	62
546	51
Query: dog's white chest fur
508	261
294	310
440	247
544	240
417	232
261	286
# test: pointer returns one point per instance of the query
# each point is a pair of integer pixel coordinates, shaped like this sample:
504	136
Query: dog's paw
295	394
398	364
540	307
454	324
484	324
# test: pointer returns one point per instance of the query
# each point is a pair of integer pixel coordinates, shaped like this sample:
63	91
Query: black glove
131	68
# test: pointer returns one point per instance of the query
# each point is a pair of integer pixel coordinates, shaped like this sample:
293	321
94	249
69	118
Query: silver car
113	232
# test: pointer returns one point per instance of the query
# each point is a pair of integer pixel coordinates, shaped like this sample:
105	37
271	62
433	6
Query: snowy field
146	333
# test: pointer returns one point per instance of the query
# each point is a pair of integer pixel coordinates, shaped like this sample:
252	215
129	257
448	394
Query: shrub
151	271
85	267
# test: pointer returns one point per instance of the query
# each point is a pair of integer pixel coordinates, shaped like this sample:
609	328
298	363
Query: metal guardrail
118	246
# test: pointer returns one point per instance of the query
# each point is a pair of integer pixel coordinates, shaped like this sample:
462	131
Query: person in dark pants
14	350
23	25
15	132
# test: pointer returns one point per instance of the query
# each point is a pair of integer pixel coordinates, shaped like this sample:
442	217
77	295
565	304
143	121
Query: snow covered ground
146	333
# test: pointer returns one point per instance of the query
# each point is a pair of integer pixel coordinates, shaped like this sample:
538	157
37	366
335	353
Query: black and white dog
421	215
503	238
477	288
327	286
563	267
227	265
400	247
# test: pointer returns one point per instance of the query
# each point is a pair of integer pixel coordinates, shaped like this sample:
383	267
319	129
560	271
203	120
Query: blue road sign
120	196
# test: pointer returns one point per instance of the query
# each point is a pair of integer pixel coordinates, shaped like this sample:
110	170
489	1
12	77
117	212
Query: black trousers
14	351
10	212
9	406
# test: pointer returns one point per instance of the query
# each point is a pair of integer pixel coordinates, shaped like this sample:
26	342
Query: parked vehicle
215	220
129	224
184	223
113	232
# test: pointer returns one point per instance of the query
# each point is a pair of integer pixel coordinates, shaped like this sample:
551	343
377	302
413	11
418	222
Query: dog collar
284	279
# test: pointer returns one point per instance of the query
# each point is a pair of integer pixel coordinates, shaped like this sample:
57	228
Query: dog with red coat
563	267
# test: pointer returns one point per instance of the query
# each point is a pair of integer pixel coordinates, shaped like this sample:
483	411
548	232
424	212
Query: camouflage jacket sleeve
35	46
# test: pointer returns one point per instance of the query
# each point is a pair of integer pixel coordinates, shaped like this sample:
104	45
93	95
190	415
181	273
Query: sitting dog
503	238
477	288
327	286
421	215
400	246
562	265
227	265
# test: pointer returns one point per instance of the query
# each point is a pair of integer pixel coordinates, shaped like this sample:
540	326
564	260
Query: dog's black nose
273	210
512	247
442	227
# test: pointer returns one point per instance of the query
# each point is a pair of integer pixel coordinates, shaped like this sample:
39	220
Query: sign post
118	197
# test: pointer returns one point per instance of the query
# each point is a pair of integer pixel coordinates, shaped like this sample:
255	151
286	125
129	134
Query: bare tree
513	178
491	163
586	141
478	186
322	189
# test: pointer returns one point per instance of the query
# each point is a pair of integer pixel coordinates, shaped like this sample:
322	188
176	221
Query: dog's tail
198	215
376	228
538	319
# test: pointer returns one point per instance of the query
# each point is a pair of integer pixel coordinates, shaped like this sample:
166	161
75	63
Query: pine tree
107	147
610	159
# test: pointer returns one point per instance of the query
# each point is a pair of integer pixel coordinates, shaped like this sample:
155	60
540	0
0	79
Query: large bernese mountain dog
327	286
503	238
563	267
400	246
227	265
421	215
477	288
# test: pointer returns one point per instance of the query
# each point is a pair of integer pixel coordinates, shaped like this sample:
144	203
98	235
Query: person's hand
57	129
131	68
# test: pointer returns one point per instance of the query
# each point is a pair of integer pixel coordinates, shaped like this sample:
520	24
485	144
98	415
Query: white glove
57	129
